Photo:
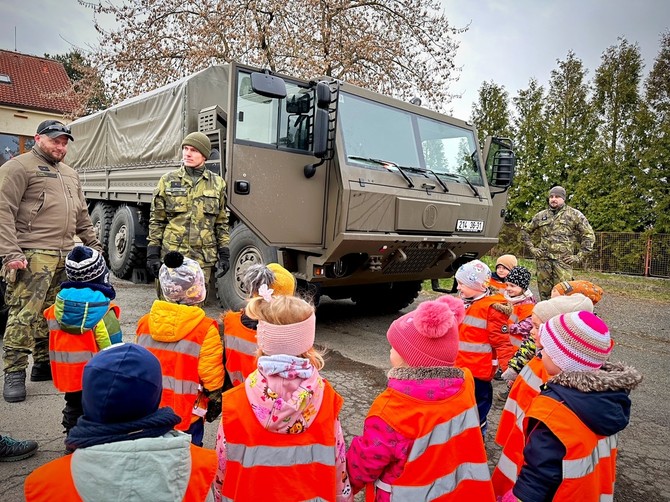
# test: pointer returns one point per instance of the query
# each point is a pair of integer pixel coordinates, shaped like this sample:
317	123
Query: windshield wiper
465	178
385	163
426	170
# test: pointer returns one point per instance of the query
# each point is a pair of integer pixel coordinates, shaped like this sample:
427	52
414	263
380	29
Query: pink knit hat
290	339
578	341
428	336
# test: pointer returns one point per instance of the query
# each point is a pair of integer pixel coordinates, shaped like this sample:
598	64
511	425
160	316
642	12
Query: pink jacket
381	452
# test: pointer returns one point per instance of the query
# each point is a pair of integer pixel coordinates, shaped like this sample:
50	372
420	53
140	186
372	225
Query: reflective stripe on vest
185	347
444	485
474	321
280	456
475	347
240	345
580	467
444	432
71	357
179	386
507	467
515	340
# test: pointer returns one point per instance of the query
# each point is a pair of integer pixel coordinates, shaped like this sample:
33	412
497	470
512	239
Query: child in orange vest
571	427
484	343
81	322
504	265
521	298
239	330
284	412
421	436
187	344
526	385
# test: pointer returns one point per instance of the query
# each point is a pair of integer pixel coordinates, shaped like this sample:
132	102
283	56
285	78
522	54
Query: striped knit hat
85	264
578	341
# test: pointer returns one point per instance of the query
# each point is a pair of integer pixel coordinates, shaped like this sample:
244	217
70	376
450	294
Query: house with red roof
32	89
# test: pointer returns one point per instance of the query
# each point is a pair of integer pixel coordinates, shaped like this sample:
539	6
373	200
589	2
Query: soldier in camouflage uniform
188	213
42	208
566	238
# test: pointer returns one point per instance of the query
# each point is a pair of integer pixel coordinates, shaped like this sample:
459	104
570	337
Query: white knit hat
558	305
578	341
475	274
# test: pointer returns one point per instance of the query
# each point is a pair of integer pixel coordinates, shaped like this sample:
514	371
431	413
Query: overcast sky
508	41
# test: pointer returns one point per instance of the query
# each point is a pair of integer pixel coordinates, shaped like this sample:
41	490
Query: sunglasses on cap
55	128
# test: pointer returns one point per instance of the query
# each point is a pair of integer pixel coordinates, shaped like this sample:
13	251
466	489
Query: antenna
14	38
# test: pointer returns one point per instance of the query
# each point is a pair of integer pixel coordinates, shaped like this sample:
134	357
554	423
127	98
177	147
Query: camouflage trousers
33	291
550	273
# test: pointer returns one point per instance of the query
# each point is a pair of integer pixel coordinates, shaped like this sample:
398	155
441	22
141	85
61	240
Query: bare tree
398	47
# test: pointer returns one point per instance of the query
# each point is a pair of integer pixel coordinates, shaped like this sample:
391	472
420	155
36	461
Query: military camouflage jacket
560	233
188	218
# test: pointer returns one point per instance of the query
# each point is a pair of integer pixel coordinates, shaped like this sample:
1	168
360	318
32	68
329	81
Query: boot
11	449
41	372
15	386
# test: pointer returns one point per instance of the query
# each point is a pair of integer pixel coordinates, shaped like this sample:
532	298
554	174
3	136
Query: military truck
359	195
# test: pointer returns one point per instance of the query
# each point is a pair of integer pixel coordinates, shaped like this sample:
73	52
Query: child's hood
78	310
599	398
285	393
426	384
170	322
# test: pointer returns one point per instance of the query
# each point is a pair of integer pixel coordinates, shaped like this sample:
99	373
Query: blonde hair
282	310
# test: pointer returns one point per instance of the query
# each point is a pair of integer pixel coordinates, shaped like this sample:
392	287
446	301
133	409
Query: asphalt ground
356	364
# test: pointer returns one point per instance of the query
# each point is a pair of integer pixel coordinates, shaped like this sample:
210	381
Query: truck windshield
374	130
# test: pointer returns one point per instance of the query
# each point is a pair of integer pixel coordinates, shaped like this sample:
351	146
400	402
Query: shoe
41	372
14	390
498	375
502	394
11	449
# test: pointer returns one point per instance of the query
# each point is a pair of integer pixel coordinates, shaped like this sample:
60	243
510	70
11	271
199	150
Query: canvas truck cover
148	128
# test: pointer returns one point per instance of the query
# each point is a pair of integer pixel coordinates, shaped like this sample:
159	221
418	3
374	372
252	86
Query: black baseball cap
53	129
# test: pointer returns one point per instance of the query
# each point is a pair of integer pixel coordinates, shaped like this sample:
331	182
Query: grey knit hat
559	191
200	142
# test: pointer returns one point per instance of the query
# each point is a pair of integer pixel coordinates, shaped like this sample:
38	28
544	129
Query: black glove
214	406
154	260
223	265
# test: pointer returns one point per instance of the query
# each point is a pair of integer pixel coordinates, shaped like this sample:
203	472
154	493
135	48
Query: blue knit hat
86	267
121	383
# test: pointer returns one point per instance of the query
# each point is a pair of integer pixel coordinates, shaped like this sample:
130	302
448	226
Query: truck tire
386	298
245	249
101	217
124	254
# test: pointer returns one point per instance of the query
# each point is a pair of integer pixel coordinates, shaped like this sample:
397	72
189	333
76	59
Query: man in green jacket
188	212
566	238
42	209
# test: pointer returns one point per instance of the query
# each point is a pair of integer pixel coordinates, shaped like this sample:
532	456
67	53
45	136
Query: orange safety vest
240	347
179	365
510	430
294	466
519	313
474	348
69	352
589	465
495	283
447	460
53	481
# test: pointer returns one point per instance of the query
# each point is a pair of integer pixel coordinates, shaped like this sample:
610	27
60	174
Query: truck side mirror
320	142
500	162
268	85
323	95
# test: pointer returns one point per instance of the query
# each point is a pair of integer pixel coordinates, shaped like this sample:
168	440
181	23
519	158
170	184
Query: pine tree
490	113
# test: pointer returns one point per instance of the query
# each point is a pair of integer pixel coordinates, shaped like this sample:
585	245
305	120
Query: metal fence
632	253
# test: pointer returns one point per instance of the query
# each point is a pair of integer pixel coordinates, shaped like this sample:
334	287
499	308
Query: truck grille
419	258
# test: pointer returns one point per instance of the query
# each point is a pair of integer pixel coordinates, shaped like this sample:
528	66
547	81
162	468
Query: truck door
269	143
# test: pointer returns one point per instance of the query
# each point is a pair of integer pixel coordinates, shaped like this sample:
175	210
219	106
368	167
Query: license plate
469	225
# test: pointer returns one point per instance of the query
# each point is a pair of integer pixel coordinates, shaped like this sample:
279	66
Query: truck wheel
245	249
124	255
386	298
101	217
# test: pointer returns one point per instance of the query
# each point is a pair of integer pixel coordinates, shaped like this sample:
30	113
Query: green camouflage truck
359	195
